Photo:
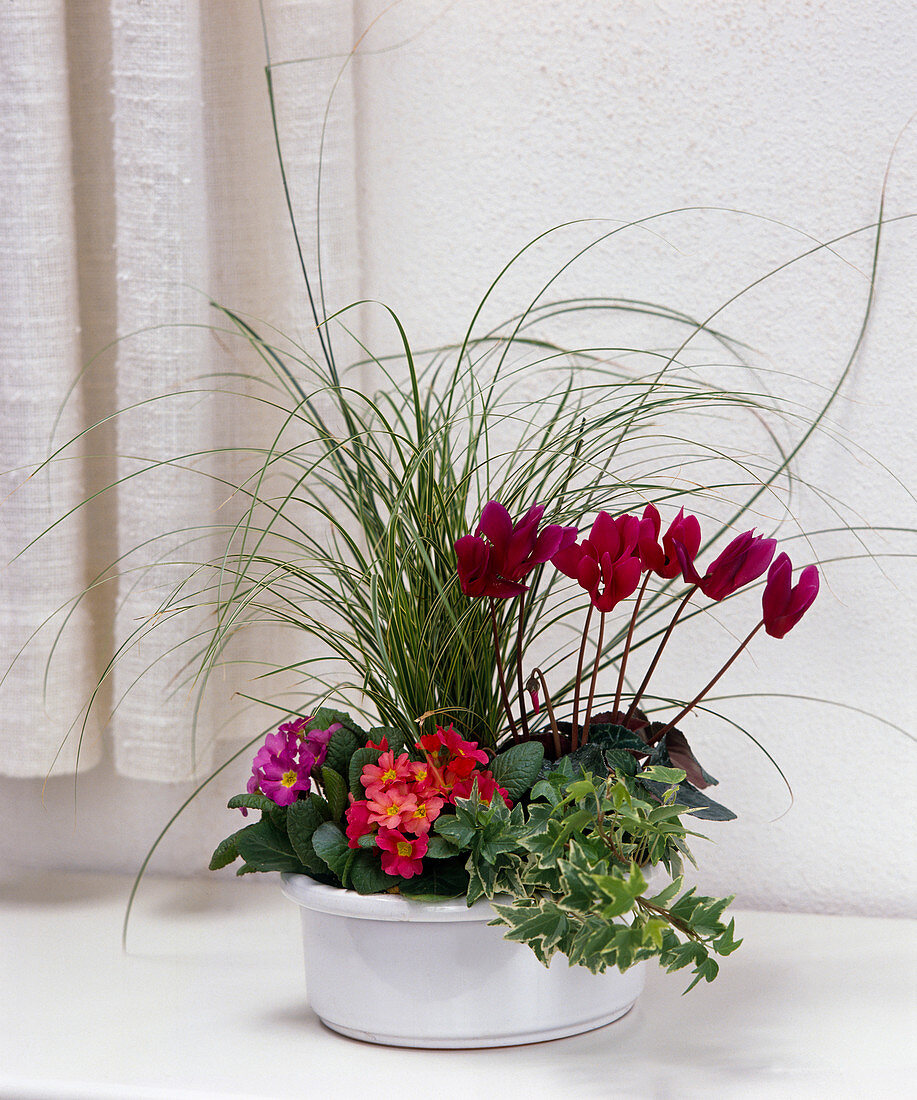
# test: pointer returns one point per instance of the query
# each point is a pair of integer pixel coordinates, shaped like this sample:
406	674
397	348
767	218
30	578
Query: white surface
209	1002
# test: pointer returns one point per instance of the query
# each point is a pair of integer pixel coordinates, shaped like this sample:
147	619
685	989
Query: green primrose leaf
335	791
331	846
225	853
265	848
341	747
303	817
517	768
358	762
367	876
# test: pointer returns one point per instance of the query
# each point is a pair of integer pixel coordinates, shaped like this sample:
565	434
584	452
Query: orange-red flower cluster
404	796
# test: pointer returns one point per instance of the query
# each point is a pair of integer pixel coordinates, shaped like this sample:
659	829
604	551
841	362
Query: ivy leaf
686	795
331	845
335	791
517	768
658	774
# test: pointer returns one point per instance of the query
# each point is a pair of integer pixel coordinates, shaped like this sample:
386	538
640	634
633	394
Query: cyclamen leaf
517	768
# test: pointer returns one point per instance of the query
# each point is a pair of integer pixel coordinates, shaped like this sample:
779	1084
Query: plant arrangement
561	824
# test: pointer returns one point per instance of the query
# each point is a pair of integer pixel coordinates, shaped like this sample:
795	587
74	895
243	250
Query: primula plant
561	825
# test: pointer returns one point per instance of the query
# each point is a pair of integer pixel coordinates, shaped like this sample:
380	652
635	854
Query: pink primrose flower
422	818
391	807
487	788
386	772
604	564
358	823
401	855
663	560
784	603
281	769
316	741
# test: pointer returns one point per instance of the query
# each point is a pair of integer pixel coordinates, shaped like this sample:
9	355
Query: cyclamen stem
630	636
500	673
655	660
579	680
595	676
697	698
538	675
519	678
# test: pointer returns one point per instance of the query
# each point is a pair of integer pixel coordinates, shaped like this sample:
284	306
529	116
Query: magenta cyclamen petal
784	604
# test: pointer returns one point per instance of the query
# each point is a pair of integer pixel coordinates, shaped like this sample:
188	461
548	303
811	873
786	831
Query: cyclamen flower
663	560
743	561
281	769
784	603
401	855
493	561
604	563
390	808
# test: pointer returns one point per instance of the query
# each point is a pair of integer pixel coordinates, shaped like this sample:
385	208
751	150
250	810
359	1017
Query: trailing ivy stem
697	698
655	660
501	676
555	732
579	679
595	676
630	635
519	678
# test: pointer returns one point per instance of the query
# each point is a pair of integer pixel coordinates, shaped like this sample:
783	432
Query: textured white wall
496	121
491	122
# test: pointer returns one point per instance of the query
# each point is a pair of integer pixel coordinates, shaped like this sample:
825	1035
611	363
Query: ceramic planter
407	973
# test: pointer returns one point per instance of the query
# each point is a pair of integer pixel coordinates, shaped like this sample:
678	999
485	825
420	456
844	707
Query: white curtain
138	181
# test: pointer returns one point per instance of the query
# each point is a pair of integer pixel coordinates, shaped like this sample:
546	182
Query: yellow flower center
421	810
289	778
392	810
405	848
389	776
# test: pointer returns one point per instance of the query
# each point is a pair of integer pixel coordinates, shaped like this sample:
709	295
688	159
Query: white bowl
387	969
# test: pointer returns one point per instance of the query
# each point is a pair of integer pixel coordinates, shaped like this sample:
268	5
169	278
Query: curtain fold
140	182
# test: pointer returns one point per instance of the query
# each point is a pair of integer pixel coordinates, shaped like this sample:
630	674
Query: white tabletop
209	1001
